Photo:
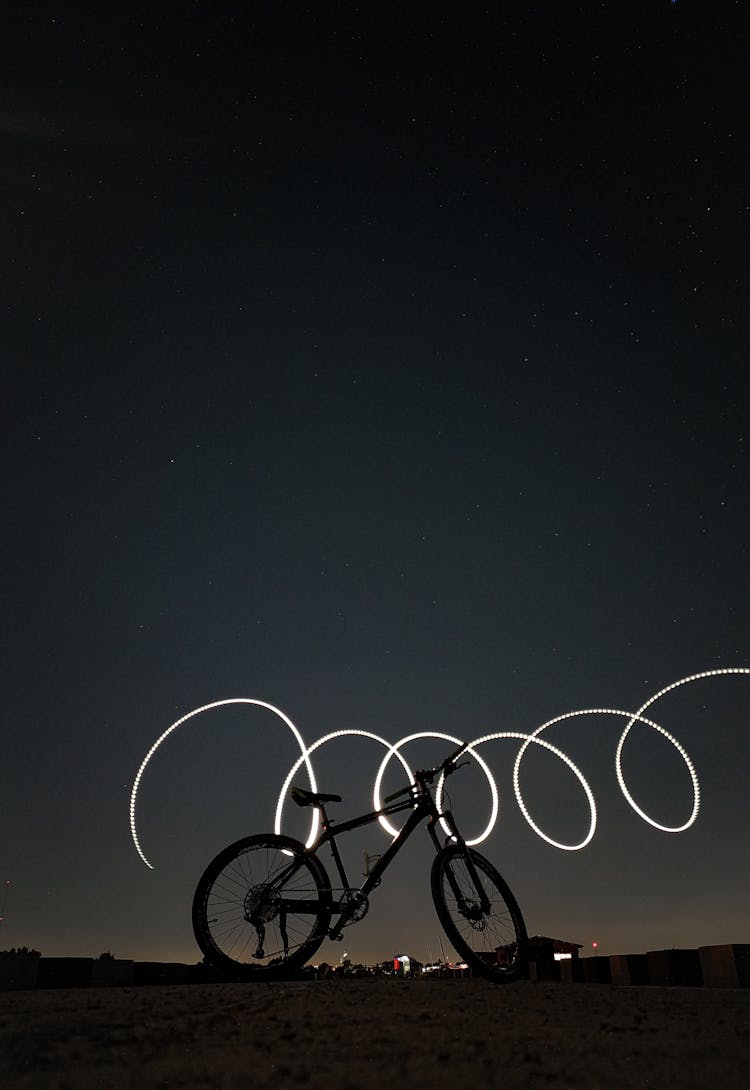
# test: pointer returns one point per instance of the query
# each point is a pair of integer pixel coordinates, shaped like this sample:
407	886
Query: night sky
388	366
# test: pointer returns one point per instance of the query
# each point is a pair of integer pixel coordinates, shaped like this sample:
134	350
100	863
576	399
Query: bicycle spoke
244	908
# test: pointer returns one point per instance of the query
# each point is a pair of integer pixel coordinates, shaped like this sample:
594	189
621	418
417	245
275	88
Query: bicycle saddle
310	798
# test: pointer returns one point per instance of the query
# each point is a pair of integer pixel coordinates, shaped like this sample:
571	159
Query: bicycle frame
422	807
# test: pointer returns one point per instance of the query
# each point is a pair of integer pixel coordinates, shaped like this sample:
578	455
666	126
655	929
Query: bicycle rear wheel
481	918
262	907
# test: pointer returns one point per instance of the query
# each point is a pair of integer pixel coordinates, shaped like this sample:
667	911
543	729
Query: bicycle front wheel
262	906
479	913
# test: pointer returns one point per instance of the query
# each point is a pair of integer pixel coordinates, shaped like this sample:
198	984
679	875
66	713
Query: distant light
595	945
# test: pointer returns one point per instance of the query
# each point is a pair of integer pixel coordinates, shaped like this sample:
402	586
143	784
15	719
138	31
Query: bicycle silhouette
265	904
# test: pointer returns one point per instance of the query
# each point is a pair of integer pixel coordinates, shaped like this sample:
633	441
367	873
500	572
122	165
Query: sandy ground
356	1035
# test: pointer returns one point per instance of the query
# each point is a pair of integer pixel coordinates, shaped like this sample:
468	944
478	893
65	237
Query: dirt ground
361	1034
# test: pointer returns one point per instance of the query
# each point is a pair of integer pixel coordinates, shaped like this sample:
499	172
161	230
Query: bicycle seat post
324	822
336	855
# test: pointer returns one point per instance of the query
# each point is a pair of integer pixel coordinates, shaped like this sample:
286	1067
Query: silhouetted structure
545	955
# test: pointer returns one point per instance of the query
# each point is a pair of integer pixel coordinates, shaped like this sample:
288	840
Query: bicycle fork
473	912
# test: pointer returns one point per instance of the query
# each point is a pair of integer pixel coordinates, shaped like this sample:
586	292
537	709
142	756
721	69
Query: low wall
159	972
111	973
726	966
629	969
723	966
64	973
18	971
670	967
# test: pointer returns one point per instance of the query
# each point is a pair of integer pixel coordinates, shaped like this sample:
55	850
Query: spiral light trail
394	751
526	739
191	715
305	757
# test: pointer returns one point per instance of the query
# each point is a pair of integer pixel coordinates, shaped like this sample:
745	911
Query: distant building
544	954
405	965
559	948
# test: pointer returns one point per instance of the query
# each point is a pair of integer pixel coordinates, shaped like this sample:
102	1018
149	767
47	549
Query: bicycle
265	904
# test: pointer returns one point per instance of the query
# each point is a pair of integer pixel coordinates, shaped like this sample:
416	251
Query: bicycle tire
249	919
494	943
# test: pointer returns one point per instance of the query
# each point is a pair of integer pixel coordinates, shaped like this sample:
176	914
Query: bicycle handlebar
398	794
454	757
446	767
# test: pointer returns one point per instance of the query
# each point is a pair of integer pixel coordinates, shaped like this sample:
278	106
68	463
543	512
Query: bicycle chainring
355	905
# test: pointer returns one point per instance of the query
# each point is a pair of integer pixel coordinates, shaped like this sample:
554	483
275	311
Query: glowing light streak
531	739
191	715
632	716
637	717
394	750
305	757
